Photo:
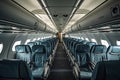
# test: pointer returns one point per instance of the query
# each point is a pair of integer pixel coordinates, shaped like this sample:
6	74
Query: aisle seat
14	70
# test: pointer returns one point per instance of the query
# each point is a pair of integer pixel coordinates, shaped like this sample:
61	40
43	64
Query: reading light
55	15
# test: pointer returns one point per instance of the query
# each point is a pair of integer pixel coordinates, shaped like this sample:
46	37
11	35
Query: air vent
115	10
65	15
55	15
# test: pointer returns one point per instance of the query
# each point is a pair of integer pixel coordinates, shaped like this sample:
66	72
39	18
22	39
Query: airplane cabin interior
59	39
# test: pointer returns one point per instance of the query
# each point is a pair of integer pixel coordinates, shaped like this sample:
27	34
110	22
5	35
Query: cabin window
27	41
34	39
104	42
16	43
82	38
38	39
65	35
1	47
76	37
42	38
93	40
86	39
117	42
79	38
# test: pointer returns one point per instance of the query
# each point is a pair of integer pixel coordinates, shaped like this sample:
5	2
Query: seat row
85	55
38	56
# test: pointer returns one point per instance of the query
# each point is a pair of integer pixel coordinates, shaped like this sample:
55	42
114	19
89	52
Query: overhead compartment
106	14
12	14
48	29
102	15
41	26
75	28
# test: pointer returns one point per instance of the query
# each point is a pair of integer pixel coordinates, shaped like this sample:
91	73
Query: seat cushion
37	73
85	73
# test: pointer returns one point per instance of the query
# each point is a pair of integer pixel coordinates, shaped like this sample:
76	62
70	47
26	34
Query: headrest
97	49
84	42
14	69
39	48
114	49
31	44
46	43
22	49
82	48
90	43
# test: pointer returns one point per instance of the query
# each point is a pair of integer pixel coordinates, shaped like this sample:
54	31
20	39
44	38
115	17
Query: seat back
82	56
113	53
31	44
48	47
90	44
39	56
23	52
106	70
73	47
98	53
14	70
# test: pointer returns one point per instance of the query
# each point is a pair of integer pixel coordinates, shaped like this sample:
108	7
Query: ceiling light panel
45	19
60	3
86	7
30	5
34	7
91	4
74	19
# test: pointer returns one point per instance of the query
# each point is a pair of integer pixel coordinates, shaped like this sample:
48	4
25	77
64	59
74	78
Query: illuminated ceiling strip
73	11
48	14
43	3
77	3
47	11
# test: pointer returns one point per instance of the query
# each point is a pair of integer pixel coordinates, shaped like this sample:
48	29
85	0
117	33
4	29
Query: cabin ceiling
59	14
60	11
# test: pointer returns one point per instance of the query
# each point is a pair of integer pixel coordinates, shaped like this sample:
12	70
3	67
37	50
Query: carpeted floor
61	69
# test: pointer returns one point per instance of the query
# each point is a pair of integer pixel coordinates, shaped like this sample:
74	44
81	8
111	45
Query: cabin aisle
61	69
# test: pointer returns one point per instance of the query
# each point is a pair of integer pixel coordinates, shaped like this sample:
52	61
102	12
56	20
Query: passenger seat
23	52
14	70
98	53
31	44
40	67
83	59
113	53
106	70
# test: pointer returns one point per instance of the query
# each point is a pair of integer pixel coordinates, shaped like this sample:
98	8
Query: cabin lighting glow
43	3
38	39
34	39
93	40
27	41
77	3
1	47
86	39
104	42
117	42
82	38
